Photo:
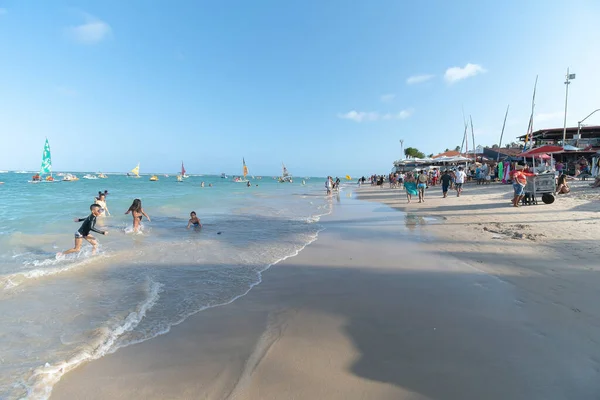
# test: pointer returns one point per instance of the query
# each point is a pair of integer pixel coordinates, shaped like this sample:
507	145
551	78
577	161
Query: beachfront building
579	148
586	137
502	153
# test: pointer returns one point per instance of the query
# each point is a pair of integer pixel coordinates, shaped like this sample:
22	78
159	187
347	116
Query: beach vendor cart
541	185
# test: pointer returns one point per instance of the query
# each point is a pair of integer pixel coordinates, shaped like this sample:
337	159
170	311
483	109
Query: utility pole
402	148
567	83
502	133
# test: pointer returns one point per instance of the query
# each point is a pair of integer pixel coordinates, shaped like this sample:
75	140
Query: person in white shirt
460	178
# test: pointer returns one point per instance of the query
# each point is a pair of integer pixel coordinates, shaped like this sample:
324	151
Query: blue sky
328	87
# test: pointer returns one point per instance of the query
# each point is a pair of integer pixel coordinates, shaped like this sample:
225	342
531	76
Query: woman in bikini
137	212
563	186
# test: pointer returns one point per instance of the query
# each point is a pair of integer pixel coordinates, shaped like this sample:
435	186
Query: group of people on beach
415	183
99	209
331	185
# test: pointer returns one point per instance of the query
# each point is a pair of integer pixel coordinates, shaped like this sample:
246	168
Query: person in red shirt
519	180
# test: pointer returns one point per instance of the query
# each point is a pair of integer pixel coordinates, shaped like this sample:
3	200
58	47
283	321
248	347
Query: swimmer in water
88	225
202	184
194	220
137	212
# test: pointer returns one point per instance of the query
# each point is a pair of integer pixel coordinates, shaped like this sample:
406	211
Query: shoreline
382	305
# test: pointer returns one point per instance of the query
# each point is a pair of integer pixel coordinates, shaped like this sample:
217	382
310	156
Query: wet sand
419	304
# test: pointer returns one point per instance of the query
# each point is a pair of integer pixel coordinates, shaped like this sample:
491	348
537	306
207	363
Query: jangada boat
135	171
244	172
285	175
46	168
154	178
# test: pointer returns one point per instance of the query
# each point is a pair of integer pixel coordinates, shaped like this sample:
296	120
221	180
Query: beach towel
507	173
411	188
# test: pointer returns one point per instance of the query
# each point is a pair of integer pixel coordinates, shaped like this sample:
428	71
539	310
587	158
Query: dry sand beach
457	298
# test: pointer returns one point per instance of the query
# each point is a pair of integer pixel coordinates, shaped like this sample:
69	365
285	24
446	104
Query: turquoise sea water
58	312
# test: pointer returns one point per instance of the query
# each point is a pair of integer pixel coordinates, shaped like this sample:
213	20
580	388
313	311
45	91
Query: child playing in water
101	201
84	232
194	220
137	212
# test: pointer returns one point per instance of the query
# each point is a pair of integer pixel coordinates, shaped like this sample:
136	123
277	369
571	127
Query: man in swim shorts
461	176
421	186
88	226
446	179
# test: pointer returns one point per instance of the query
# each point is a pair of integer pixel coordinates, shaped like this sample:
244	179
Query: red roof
449	153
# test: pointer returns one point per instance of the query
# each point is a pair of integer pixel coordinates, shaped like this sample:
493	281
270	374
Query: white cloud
66	91
405	113
91	32
456	74
386	98
3	11
412	80
360	116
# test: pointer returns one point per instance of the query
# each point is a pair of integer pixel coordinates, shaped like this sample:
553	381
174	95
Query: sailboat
285	175
46	168
183	175
135	171
244	172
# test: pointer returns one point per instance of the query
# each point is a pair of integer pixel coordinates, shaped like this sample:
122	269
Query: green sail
46	160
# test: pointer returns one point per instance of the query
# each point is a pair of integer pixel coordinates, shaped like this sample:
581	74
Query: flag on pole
571	76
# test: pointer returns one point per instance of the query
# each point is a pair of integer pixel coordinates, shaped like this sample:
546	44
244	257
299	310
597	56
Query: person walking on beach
422	185
137	212
459	180
410	186
83	232
328	185
446	180
519	180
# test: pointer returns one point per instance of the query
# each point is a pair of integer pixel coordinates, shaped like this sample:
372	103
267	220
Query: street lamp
567	82
580	122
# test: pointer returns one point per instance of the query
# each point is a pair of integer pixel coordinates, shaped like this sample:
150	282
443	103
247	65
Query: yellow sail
348	178
245	168
136	170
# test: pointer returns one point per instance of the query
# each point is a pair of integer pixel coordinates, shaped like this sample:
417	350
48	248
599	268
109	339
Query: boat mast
473	135
502	133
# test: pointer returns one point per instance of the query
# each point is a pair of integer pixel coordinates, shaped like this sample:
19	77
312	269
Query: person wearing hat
519	180
89	225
